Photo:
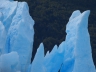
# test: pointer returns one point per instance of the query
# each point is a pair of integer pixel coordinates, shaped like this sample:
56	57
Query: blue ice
17	37
16	31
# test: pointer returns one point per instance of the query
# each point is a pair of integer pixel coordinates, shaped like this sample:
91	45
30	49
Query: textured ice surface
20	35
8	10
2	38
16	29
9	62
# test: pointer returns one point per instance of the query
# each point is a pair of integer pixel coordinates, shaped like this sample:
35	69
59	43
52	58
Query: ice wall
20	35
16	31
78	55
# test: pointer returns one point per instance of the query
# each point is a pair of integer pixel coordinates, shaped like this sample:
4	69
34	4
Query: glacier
16	31
17	37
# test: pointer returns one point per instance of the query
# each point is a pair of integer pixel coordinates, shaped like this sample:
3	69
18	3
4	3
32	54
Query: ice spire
83	53
37	64
78	55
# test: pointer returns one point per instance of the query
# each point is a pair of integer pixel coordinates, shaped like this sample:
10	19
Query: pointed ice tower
82	52
70	42
37	64
77	54
54	59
